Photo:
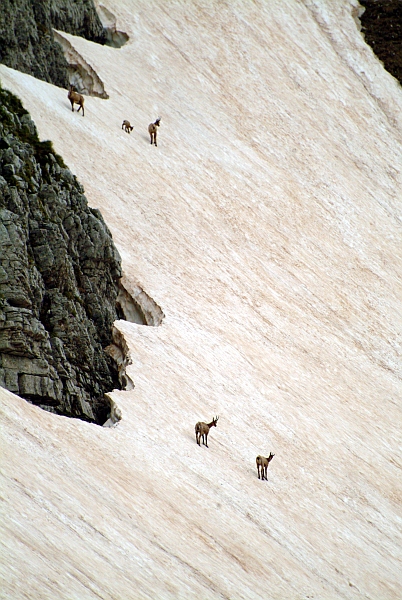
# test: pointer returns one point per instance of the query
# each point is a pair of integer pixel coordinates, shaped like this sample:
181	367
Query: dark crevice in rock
128	309
134	305
114	37
381	26
120	354
114	415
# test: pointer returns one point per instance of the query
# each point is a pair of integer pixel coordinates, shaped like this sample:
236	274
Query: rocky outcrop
59	273
381	25
26	35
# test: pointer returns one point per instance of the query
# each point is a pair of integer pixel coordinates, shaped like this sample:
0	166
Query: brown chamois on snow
152	130
263	463
76	98
202	429
127	126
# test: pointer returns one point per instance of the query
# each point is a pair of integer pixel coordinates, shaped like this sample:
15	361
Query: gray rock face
26	34
59	272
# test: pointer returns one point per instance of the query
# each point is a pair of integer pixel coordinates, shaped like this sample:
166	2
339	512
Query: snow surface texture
267	226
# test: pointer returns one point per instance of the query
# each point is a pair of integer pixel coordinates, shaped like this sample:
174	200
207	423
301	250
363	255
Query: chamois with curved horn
262	463
202	430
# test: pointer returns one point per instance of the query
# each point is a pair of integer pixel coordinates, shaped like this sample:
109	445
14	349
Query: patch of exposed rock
381	25
59	273
27	40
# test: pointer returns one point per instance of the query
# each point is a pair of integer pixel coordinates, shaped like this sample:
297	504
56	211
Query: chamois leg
72	105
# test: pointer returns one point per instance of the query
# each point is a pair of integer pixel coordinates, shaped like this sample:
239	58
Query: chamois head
214	422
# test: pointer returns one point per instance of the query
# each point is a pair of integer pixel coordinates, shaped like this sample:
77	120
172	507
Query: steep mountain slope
267	226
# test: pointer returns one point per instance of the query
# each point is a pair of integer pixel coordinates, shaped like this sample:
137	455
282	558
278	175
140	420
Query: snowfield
267	225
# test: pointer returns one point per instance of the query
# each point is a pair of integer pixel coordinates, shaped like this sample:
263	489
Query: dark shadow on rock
134	305
381	26
114	37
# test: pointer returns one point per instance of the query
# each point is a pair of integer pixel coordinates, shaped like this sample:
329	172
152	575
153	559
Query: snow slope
267	226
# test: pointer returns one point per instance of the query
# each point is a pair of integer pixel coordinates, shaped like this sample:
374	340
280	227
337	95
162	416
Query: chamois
202	429
263	463
76	98
152	129
127	126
